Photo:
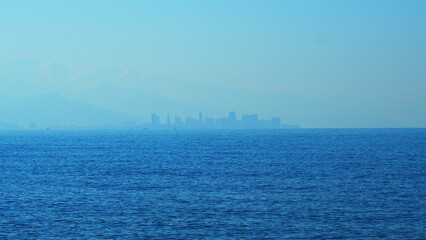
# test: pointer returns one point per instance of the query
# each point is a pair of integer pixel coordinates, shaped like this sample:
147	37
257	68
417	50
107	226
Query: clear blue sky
349	63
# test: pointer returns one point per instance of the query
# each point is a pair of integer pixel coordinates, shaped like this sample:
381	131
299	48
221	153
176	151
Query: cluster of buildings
247	121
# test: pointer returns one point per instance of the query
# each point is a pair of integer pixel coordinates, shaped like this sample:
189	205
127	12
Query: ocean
218	184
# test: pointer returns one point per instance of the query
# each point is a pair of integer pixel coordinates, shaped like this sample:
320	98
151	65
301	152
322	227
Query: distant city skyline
320	64
247	121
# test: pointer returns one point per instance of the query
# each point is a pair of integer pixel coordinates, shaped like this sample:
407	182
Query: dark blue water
287	184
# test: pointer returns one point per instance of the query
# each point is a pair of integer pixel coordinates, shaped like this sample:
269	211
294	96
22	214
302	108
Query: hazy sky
315	63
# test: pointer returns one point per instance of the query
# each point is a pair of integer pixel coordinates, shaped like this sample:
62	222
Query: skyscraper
232	116
178	121
276	122
200	118
155	120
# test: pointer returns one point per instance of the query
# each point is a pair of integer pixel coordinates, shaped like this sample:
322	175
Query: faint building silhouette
33	126
275	122
250	121
178	122
168	119
155	120
200	118
210	123
189	122
232	116
247	121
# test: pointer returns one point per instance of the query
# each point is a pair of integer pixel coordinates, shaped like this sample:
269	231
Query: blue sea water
275	184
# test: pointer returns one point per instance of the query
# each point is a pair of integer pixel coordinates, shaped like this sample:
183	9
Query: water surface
275	184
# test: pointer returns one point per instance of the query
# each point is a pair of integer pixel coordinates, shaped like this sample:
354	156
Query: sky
314	63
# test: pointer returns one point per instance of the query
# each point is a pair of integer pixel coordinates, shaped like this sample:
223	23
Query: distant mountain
141	103
127	91
54	109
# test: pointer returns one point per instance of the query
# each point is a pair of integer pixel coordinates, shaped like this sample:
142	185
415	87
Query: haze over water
333	64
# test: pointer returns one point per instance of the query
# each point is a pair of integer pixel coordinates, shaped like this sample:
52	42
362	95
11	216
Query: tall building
155	120
247	121
200	118
249	118
209	123
178	121
276	122
190	122
232	116
250	121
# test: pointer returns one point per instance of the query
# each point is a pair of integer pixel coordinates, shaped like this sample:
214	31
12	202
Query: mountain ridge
54	109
